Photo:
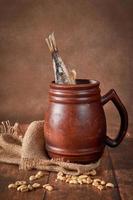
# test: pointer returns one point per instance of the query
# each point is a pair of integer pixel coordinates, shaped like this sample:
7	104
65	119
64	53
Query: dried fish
62	74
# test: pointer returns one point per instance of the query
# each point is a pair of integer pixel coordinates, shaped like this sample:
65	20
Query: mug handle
112	95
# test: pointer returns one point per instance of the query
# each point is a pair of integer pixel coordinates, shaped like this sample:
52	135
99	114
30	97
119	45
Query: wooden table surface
116	167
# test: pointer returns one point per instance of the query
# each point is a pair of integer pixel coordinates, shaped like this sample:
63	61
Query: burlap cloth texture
27	149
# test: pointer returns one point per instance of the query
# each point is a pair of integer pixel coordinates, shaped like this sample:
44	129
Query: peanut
84	180
103	183
36	185
80	182
73	181
89	180
19	188
61	178
30	187
45	185
100	187
60	174
32	178
49	188
111	185
24	189
18	183
82	177
95	183
67	180
68	176
39	174
74	177
97	180
12	186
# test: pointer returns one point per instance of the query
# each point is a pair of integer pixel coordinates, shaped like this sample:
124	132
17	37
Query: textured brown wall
94	37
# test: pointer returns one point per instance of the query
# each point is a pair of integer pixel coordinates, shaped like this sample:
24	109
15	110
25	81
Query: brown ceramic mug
75	124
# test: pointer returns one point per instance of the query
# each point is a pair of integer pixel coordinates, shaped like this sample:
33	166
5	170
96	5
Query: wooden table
116	167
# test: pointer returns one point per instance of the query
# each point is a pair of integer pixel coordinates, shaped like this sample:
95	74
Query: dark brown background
94	37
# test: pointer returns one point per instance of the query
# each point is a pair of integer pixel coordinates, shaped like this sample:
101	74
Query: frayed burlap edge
56	166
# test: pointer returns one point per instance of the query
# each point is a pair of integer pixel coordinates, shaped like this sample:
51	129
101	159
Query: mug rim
89	83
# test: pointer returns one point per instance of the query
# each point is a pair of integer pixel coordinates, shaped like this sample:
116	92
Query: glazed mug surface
75	123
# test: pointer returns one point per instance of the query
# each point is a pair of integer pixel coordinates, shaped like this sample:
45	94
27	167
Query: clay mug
75	123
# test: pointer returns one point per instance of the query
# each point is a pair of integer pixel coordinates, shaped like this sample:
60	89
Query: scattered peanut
24	189
89	180
80	182
97	180
74	177
73	181
84	180
49	188
100	187
95	183
32	178
12	186
21	187
60	174
111	185
82	177
68	179
39	174
30	187
45	185
68	176
61	178
103	183
36	185
17	183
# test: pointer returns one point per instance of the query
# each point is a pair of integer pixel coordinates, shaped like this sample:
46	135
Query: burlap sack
28	151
